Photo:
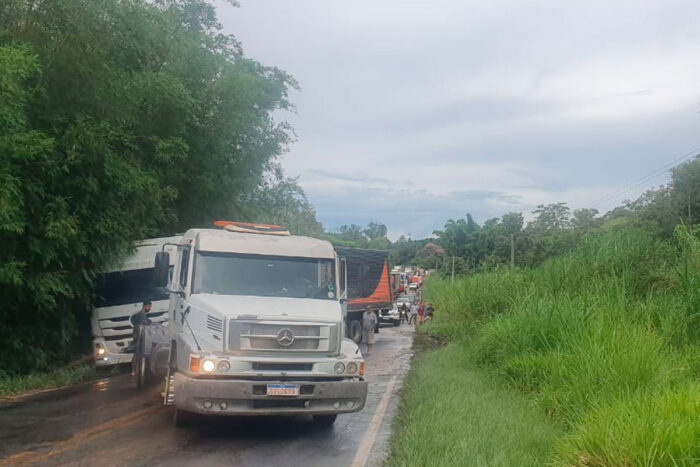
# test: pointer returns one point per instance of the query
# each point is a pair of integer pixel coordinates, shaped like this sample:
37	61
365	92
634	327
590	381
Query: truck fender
349	349
185	346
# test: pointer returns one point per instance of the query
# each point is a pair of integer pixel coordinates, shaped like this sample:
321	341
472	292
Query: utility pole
512	251
453	270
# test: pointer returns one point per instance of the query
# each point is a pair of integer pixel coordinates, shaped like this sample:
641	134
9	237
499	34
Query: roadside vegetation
64	376
455	414
604	341
122	120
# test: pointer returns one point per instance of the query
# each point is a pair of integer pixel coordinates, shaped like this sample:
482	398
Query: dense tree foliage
554	230
119	120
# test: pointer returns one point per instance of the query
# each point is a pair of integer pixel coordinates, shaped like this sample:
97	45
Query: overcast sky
413	112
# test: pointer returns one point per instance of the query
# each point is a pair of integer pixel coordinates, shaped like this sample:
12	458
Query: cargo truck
119	294
368	287
255	327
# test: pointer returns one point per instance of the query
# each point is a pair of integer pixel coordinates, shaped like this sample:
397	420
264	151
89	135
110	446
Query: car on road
413	286
391	316
403	299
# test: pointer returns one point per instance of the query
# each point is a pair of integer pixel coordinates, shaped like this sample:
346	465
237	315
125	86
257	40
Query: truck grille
277	336
119	328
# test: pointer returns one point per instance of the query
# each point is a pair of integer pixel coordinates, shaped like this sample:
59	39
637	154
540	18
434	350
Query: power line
645	178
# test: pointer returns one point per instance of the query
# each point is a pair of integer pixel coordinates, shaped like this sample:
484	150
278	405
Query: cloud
412	111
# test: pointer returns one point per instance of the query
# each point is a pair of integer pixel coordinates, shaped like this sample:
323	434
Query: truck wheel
355	331
182	418
144	377
325	421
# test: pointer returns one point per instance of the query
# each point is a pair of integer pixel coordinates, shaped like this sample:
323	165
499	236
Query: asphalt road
109	422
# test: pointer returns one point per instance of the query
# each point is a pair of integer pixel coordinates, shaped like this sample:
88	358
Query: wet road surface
109	422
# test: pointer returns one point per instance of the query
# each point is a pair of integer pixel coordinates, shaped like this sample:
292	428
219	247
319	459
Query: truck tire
144	376
183	418
325	421
355	331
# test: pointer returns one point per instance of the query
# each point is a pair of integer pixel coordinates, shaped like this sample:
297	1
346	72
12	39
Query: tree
554	216
685	186
584	219
512	223
375	230
119	120
280	200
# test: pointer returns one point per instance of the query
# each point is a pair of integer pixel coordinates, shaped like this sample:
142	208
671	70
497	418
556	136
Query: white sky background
413	112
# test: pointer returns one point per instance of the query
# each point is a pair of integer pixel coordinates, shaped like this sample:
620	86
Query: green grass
604	342
65	376
455	414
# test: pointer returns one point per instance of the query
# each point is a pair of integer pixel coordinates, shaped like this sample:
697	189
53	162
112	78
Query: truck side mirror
161	269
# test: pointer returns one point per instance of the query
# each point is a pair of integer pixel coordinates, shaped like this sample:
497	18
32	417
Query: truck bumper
112	355
246	397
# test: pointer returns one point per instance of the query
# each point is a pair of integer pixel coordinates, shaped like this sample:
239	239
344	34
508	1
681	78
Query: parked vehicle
367	286
397	286
255	327
120	294
391	316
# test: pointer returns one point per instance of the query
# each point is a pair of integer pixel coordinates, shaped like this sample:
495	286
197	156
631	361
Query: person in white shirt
414	314
369	321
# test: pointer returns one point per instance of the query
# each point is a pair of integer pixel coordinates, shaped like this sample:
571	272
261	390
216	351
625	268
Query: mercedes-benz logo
285	337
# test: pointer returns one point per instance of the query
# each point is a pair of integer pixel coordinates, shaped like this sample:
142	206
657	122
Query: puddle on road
102	385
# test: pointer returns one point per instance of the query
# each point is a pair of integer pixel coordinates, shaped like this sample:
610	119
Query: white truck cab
255	328
120	293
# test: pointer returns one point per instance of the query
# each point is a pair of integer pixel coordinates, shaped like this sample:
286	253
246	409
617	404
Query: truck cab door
178	299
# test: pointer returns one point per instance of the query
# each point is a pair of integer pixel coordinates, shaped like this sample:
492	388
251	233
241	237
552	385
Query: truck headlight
339	368
208	366
352	368
100	351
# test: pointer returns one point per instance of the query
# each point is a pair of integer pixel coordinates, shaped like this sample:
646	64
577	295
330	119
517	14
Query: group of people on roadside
416	312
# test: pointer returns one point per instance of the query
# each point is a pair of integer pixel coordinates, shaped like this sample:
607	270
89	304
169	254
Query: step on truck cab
255	327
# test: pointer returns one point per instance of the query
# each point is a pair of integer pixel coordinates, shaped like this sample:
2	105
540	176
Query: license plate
282	390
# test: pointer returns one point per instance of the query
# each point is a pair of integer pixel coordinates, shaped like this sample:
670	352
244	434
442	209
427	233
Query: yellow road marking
32	457
370	435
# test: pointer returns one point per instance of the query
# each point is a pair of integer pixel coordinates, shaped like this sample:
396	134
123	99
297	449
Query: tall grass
606	340
455	415
63	376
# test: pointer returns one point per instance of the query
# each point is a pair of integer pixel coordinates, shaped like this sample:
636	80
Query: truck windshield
264	276
124	287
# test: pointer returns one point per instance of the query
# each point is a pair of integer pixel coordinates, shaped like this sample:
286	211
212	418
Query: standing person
137	320
369	321
429	311
414	314
421	310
